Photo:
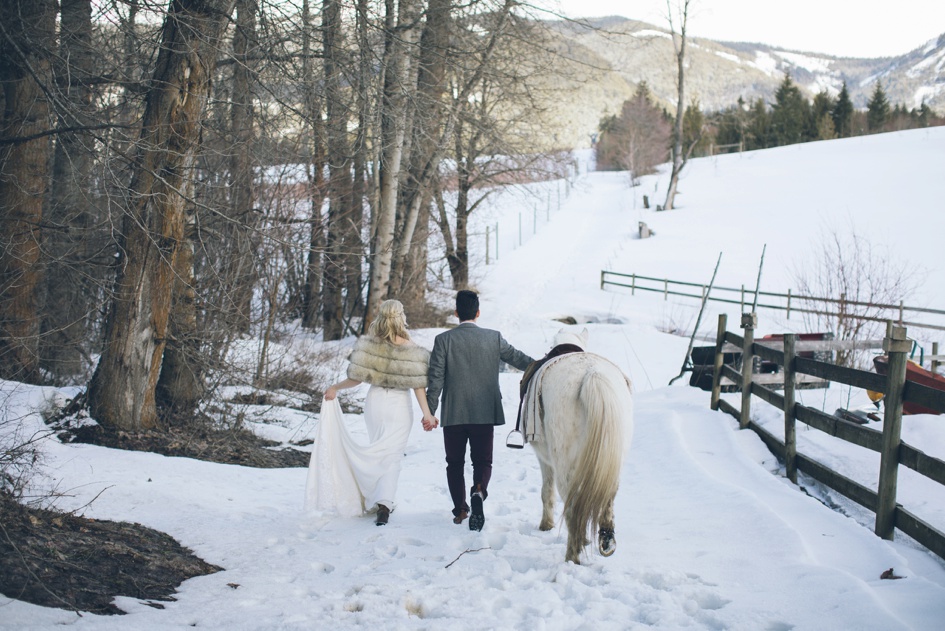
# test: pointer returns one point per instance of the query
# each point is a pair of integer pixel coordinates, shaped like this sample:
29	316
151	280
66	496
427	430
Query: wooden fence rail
788	302
893	452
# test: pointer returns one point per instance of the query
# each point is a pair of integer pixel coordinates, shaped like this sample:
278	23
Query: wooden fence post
717	364
749	322
897	346
935	362
790	435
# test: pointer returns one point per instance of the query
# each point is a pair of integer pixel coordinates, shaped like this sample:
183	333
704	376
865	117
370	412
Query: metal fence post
897	346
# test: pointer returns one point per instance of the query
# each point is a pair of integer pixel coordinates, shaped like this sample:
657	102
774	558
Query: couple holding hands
352	478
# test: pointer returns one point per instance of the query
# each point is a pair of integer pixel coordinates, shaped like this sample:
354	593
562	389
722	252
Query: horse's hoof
607	542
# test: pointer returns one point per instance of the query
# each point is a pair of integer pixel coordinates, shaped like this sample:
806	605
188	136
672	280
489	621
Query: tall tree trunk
70	291
25	50
180	385
355	247
426	150
679	45
413	278
459	271
240	272
339	172
122	390
311	298
397	45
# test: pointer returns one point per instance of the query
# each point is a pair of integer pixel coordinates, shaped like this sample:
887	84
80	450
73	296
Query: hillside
711	535
626	52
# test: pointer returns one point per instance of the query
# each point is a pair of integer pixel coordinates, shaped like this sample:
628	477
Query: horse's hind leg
577	538
547	497
606	541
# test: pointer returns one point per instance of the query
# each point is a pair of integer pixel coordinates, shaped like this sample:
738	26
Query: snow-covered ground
711	535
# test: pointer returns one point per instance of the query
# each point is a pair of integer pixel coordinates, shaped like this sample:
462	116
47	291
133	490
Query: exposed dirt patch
230	446
60	560
197	438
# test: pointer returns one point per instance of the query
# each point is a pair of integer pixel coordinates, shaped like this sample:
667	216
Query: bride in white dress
349	477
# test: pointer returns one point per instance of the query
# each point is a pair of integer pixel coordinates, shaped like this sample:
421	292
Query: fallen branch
465	551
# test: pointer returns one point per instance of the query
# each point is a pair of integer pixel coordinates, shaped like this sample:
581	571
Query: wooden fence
893	452
788	302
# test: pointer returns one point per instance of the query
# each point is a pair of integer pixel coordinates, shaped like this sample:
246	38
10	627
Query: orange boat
917	374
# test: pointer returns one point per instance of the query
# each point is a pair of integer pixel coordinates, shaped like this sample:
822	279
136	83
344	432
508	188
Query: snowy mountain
625	52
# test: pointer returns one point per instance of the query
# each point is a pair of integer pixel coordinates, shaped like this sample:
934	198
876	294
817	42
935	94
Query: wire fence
788	302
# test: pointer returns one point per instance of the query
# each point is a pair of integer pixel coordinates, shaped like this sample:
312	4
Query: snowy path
710	534
706	541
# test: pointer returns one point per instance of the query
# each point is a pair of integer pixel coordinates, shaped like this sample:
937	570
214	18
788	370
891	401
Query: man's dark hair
467	304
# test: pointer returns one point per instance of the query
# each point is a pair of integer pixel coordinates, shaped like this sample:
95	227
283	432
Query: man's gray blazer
464	367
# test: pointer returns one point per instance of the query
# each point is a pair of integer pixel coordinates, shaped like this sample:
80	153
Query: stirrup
515	440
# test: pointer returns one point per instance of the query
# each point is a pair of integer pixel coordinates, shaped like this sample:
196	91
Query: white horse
578	416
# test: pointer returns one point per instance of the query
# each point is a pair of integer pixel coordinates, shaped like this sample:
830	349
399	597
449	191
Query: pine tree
877	110
924	115
825	128
789	114
842	113
728	125
758	131
820	109
695	139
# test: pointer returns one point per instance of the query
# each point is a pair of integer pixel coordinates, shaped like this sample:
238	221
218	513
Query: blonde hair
390	323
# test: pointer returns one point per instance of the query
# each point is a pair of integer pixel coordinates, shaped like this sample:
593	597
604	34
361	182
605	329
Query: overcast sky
838	27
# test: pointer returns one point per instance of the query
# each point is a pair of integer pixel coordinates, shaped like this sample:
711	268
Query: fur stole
387	365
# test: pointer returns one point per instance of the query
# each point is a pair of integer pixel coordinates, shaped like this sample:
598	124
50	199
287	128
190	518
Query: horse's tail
596	474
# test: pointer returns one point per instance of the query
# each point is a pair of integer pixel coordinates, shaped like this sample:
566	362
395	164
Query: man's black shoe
476	518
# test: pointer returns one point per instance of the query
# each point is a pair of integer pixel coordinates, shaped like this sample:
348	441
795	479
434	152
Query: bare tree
339	169
122	391
849	269
495	80
240	264
312	108
679	46
401	30
180	385
28	28
70	291
430	110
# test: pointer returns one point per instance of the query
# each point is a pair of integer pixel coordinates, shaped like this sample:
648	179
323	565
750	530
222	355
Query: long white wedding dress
349	477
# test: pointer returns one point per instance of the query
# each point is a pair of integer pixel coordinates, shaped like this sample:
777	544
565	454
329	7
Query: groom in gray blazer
464	368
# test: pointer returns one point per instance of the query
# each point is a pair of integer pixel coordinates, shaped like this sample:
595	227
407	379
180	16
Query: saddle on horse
516	439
